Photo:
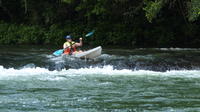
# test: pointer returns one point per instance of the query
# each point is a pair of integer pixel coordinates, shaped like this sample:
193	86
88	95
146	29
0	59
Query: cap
68	37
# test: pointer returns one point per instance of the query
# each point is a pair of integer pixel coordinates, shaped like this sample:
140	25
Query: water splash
45	74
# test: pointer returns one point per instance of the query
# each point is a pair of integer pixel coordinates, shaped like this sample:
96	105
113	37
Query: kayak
89	54
60	51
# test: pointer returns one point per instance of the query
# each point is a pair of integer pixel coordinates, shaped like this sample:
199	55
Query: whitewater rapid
38	72
120	80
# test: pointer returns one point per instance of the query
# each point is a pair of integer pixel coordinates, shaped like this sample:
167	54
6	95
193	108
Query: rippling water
31	79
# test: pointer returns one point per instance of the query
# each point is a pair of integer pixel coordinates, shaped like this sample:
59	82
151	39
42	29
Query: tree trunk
0	3
25	6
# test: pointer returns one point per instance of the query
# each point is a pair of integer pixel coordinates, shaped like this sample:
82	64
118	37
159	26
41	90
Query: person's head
68	38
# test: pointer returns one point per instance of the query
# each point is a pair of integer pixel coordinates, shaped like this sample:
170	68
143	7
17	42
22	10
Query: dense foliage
126	23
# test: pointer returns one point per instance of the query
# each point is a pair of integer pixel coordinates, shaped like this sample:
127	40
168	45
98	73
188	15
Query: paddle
60	51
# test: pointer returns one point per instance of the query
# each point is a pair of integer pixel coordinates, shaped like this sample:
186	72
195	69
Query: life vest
70	49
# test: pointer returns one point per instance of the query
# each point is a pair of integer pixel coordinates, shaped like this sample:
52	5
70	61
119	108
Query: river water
121	80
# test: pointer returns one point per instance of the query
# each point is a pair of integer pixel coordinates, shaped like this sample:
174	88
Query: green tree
189	9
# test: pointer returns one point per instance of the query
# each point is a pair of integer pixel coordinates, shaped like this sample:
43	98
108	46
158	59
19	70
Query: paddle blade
58	52
89	34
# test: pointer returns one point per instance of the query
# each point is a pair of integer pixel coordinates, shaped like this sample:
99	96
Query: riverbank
117	35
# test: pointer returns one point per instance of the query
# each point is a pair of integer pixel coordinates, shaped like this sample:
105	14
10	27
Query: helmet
68	37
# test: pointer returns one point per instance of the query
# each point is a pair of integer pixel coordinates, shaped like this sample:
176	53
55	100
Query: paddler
70	46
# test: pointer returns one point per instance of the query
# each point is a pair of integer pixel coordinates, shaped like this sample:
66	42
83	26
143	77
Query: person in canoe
70	47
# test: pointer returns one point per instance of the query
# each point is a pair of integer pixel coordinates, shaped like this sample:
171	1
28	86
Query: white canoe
89	54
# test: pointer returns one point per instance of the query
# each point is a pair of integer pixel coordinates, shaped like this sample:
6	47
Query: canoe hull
90	54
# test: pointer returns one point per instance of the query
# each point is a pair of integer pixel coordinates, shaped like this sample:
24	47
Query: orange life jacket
70	48
69	51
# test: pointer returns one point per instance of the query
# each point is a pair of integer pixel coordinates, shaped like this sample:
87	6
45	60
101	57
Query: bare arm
80	43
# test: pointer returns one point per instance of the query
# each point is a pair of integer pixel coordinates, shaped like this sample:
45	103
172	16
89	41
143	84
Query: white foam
45	74
178	49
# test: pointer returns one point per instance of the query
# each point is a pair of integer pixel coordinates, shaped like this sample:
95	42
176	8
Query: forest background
124	23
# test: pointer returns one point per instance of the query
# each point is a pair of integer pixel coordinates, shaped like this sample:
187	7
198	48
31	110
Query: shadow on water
133	59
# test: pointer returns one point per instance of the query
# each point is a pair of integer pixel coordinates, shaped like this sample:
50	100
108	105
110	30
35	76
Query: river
120	80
